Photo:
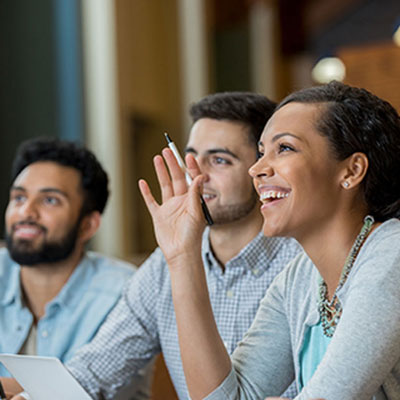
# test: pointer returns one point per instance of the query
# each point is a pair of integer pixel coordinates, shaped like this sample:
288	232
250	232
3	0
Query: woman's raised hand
178	221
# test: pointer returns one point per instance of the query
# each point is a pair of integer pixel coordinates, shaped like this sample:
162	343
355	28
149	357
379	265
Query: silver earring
346	184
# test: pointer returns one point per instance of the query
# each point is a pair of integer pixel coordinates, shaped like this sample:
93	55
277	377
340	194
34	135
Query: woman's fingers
163	178
179	183
196	189
172	181
148	198
192	166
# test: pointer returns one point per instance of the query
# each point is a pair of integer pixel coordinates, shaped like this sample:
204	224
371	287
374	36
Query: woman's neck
329	246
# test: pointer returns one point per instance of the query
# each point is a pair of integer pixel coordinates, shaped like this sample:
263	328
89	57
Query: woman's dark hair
94	179
355	120
250	109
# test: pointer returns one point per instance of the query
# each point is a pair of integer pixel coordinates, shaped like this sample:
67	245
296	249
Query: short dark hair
250	109
355	120
94	179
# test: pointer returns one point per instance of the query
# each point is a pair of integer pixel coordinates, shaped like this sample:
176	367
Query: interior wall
382	75
150	103
40	93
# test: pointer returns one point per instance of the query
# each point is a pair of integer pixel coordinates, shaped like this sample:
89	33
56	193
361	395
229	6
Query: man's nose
29	209
204	169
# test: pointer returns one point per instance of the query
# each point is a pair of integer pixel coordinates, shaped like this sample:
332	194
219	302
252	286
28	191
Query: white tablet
43	378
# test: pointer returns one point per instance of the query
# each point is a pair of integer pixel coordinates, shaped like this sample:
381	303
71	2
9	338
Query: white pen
189	179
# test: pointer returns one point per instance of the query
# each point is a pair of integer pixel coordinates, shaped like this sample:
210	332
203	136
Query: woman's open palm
178	221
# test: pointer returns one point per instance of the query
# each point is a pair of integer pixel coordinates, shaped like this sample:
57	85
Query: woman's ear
89	225
356	167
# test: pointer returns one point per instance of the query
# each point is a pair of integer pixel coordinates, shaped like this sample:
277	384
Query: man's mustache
31	223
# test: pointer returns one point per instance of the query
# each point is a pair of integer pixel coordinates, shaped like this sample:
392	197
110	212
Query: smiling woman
327	176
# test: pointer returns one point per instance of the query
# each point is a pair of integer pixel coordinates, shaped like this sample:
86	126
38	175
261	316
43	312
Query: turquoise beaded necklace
331	311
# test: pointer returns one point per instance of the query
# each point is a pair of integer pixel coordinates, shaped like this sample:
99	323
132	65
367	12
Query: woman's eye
284	148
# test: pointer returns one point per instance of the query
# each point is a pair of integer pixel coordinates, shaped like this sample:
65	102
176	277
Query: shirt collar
75	287
12	288
260	251
248	256
260	248
68	295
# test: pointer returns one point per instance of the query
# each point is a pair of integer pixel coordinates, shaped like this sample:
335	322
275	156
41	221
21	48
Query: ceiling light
328	69
396	36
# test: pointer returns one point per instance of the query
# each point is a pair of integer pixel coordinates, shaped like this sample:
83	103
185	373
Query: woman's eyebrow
279	135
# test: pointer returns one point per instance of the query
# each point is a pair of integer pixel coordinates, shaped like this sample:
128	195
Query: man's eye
220	160
260	154
19	198
53	201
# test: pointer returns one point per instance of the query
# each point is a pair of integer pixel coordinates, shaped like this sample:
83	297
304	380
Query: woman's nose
260	168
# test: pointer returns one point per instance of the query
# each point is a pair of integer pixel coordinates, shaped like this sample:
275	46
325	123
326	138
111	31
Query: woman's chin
270	229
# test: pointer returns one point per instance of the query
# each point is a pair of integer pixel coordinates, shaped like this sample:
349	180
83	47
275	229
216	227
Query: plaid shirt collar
248	256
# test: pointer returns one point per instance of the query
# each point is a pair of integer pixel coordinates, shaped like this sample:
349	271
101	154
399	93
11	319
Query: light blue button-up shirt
72	318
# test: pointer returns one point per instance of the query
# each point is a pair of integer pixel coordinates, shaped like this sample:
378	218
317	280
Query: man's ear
355	168
89	225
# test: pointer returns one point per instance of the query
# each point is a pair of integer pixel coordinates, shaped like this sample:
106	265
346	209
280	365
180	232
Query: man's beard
22	252
235	212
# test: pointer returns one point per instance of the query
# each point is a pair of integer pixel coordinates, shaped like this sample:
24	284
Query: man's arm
127	340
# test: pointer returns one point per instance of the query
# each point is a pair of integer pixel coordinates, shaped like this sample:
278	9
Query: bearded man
54	295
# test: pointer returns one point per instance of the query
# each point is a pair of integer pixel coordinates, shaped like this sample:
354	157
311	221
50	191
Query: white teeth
28	230
208	196
271	194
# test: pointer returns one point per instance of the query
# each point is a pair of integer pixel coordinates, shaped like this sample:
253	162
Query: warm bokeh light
328	69
396	36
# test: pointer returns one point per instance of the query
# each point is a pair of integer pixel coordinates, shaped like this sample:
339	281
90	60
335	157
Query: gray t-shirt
362	360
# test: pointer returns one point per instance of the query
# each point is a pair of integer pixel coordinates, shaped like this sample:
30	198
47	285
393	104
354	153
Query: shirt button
45	334
256	271
229	294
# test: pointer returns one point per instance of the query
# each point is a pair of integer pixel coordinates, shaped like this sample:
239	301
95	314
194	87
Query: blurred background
116	74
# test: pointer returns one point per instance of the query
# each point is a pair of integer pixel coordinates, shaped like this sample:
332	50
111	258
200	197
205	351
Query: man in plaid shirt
240	262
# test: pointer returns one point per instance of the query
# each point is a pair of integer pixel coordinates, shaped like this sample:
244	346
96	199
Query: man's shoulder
6	263
284	241
153	273
154	267
4	253
9	273
109	267
280	246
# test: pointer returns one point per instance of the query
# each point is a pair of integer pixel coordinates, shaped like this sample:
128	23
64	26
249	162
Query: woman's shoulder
387	228
383	239
298	275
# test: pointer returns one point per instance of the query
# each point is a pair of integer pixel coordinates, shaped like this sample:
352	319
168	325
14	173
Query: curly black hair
93	177
355	120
